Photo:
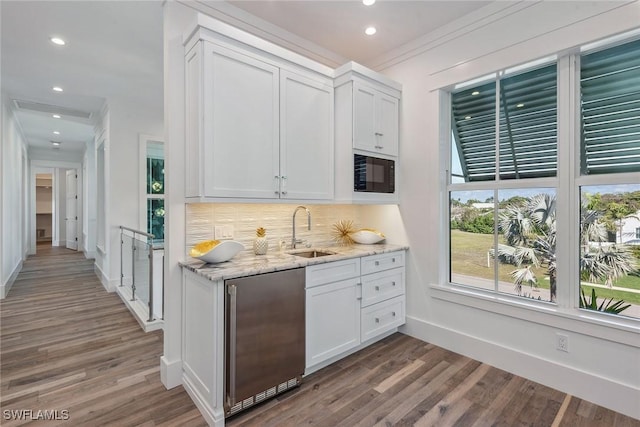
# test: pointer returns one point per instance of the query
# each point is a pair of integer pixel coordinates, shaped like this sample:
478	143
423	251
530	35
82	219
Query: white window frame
568	181
143	141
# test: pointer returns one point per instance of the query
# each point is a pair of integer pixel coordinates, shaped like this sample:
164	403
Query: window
502	184
155	189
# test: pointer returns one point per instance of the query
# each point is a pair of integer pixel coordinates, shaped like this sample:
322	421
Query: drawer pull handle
377	288
393	283
393	260
377	263
393	313
377	320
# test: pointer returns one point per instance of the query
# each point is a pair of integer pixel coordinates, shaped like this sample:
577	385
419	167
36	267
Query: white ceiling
114	48
113	51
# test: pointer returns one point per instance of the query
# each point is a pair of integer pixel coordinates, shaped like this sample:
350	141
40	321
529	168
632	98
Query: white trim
619	397
143	139
109	285
6	287
215	418
170	372
138	309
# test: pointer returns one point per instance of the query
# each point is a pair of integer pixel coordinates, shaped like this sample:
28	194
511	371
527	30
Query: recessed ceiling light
57	89
55	132
368	2
467	117
58	41
55	143
56	116
475	92
370	31
519	105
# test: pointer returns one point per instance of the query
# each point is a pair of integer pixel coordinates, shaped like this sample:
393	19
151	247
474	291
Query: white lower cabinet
332	320
346	311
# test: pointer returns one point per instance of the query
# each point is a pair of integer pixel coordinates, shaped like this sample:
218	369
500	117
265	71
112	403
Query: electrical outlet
228	232
218	232
562	342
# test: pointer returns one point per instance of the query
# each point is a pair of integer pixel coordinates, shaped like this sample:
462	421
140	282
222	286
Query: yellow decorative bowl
367	236
215	251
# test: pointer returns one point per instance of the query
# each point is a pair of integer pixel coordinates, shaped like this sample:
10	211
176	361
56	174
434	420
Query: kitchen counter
247	264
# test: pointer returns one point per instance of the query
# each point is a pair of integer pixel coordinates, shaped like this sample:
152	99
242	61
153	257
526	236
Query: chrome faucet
293	238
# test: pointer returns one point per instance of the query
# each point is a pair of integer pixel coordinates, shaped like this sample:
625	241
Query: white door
364	118
387	124
72	209
241	125
306	138
333	320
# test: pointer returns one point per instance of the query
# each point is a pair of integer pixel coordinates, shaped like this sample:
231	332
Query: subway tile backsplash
201	219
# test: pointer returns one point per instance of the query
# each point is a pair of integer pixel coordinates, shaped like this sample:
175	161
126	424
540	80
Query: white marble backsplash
201	219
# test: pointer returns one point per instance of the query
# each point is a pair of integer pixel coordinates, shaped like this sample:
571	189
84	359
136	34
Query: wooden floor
69	345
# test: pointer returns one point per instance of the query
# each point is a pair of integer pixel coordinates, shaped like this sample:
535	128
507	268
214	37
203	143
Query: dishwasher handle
231	289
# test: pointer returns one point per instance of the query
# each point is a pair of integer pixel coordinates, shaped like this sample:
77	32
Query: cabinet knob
377	263
393	313
377	288
377	320
393	260
393	283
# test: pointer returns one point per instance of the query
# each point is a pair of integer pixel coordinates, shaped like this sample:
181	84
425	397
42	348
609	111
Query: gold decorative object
203	247
260	244
342	232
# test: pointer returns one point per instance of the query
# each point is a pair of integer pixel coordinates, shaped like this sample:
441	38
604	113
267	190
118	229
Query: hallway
71	347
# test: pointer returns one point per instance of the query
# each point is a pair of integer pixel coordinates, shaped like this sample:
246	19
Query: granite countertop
247	264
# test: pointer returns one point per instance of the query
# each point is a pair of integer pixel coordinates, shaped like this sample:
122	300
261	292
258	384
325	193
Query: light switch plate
218	232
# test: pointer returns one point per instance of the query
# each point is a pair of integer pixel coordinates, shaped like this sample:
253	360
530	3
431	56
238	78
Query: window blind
528	127
610	90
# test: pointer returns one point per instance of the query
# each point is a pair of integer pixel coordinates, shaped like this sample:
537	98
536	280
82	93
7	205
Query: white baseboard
584	385
89	254
6	287
170	373
109	286
213	417
139	310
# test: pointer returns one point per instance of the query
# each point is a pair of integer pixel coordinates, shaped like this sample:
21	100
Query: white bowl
223	251
367	237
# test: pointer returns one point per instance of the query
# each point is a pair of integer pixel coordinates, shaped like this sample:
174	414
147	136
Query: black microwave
373	174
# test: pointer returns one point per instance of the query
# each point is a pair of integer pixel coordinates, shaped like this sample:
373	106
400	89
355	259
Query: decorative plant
342	231
261	232
606	306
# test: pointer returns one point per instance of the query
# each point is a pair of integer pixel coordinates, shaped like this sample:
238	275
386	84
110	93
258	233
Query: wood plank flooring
69	345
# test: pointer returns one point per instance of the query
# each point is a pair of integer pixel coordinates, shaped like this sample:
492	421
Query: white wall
603	365
13	215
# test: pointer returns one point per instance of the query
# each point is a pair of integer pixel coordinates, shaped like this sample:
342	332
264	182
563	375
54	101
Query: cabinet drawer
382	286
382	317
375	263
329	272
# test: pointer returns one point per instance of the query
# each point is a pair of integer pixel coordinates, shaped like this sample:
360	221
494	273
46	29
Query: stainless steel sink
312	253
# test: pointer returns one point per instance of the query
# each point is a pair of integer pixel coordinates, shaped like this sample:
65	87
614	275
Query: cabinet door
364	117
387	124
241	121
306	138
332	320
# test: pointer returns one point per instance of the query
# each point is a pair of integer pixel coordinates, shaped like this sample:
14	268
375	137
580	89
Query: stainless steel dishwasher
265	336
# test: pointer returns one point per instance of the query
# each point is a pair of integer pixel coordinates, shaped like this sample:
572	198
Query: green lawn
469	257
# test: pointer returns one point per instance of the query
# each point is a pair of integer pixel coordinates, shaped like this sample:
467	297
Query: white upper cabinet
375	120
241	125
259	120
306	138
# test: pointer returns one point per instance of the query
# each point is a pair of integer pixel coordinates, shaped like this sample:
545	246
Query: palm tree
529	229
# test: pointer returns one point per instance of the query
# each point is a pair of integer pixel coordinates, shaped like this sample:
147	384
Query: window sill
599	325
